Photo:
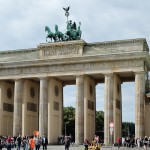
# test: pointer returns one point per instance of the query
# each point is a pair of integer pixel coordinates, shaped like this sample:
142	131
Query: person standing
32	143
19	140
86	144
145	142
37	143
44	142
25	143
1	143
118	141
9	143
15	138
67	143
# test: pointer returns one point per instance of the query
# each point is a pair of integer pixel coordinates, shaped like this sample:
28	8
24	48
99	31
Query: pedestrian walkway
81	147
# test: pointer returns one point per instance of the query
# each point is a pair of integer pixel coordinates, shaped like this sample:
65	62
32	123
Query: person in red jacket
118	141
9	142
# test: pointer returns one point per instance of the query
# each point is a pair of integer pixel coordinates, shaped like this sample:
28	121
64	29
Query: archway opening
69	98
100	111
128	107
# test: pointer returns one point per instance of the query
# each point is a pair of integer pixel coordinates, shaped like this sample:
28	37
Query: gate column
18	98
79	111
89	108
43	107
108	105
55	109
139	103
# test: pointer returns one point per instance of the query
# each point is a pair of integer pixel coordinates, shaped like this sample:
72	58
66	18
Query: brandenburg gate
32	81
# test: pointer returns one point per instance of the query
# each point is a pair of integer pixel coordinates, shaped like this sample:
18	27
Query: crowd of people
65	140
26	142
131	142
61	140
124	141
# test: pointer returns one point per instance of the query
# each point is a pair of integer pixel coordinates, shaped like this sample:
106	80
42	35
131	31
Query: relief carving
31	107
56	106
64	50
8	107
90	105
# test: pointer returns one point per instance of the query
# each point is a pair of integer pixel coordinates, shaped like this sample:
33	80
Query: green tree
100	123
128	129
69	121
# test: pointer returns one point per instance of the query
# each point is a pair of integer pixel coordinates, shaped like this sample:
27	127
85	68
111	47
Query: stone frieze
94	66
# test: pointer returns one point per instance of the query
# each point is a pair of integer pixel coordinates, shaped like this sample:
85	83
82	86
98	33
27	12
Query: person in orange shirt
32	143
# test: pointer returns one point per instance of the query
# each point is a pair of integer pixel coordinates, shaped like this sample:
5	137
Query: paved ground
61	147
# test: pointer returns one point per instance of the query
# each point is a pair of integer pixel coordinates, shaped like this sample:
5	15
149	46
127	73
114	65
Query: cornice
16	58
19	51
118	42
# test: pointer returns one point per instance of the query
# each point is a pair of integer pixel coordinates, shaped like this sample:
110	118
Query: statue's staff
66	12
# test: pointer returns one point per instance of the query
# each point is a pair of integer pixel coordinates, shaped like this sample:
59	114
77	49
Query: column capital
80	75
140	72
109	74
18	79
44	78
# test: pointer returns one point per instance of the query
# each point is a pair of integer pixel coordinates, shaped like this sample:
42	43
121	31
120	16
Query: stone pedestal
79	112
18	97
43	107
139	103
108	106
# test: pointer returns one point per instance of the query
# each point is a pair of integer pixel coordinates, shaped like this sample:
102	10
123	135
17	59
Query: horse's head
47	28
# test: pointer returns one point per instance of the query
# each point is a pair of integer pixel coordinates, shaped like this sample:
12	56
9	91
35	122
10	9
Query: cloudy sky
22	25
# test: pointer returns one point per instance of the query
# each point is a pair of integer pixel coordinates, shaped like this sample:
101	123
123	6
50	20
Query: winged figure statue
66	9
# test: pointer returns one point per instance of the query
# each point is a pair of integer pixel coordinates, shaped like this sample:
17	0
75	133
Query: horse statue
72	32
50	34
79	32
59	35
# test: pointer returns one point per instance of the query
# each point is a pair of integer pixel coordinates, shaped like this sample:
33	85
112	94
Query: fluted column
79	111
43	107
108	106
17	116
139	103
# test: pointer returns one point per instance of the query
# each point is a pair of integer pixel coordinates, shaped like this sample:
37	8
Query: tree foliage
69	121
99	121
128	129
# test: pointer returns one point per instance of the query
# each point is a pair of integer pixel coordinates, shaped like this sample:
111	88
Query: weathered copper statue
59	35
72	31
50	34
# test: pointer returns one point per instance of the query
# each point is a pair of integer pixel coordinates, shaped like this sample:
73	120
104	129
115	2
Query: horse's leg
46	39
